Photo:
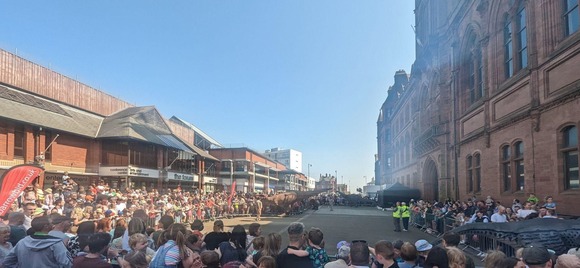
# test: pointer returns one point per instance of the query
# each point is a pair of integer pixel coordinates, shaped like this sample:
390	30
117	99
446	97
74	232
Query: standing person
29	209
97	247
405	215
61	225
17	230
5	246
359	254
213	239
39	249
254	230
385	255
452	240
315	250
500	215
173	250
397	216
259	207
295	239
235	248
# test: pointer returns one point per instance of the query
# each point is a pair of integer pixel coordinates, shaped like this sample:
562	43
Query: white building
311	184
290	158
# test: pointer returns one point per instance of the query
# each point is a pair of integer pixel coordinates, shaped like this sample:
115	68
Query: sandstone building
492	103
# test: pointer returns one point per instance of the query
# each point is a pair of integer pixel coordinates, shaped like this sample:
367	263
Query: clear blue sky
306	75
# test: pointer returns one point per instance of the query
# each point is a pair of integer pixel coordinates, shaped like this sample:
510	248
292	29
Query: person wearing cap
423	248
213	239
537	257
61	225
342	258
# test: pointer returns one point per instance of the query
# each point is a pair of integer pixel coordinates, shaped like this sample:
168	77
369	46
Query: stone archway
430	181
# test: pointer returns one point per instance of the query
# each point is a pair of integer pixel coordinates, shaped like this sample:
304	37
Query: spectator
97	246
210	259
5	246
567	261
134	259
139	242
408	255
510	262
423	247
234	249
254	230
295	237
359	254
314	249
257	245
537	257
173	250
61	225
516	203
272	245
533	199
493	257
500	215
397	245
39	250
267	262
17	229
78	244
456	258
29	210
550	204
479	217
342	257
437	258
452	240
385	255
213	239
164	222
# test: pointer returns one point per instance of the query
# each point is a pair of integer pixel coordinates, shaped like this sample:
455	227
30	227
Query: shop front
187	182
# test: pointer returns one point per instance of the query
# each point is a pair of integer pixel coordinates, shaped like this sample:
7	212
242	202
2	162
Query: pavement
342	223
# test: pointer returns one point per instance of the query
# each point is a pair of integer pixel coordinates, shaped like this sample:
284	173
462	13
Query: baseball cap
423	245
535	255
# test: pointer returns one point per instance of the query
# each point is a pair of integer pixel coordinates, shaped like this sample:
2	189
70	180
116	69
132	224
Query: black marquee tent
396	192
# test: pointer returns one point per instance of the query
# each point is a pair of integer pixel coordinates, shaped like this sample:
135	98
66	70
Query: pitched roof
142	124
34	110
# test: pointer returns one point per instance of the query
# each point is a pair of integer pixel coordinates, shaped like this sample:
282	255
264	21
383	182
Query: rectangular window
477	173
472	96
571	170
571	16
19	142
507	177
519	174
47	140
469	175
522	40
509	55
479	76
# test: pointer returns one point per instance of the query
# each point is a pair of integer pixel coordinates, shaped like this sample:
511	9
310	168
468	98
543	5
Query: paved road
343	223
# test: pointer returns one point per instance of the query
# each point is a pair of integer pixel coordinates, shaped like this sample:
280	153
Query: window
509	56
569	151
472	76
515	43
506	168
571	14
19	143
469	174
477	172
522	36
512	165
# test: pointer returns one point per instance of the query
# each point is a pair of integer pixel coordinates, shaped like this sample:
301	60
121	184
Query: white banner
128	172
182	177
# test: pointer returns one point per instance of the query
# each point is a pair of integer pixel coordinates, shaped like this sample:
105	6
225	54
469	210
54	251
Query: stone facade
492	94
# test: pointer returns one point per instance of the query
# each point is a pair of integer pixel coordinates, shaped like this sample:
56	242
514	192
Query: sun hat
423	245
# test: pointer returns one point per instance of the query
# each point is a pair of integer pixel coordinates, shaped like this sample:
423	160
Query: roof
34	110
198	150
143	124
196	130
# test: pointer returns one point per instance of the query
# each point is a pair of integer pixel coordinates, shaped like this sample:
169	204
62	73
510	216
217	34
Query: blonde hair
456	257
493	258
135	239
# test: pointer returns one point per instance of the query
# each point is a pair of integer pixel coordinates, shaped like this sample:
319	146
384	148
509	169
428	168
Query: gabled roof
30	109
196	130
142	124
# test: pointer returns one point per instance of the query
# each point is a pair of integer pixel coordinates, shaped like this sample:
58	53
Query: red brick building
491	106
92	135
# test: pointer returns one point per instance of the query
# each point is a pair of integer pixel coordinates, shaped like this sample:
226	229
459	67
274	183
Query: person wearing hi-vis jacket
397	217
405	215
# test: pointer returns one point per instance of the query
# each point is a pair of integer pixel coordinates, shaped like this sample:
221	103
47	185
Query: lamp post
335	180
309	165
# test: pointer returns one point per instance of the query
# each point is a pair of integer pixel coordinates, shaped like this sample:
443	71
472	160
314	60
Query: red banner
14	181
232	192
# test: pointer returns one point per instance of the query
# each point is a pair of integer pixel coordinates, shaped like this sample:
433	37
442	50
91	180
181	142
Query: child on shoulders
315	249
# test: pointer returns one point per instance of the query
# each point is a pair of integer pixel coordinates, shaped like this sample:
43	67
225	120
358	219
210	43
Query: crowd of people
439	217
67	225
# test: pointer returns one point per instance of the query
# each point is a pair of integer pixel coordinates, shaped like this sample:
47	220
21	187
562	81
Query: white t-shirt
496	217
522	213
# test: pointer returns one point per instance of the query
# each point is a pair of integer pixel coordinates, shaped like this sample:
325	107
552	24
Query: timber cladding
31	77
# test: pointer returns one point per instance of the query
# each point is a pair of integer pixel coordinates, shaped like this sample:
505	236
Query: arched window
508	51
522	37
469	169
519	165
472	72
569	151
571	17
477	172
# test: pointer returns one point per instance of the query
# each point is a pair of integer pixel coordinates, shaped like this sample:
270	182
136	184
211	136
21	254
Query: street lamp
309	165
